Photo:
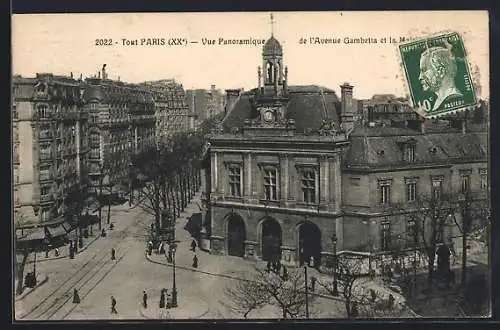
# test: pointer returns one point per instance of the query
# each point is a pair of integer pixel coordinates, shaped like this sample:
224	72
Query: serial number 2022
104	42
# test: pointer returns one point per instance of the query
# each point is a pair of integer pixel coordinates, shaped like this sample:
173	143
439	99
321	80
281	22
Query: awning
88	219
56	221
30	234
60	230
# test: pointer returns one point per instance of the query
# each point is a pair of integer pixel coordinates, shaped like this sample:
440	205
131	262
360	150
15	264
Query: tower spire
272	25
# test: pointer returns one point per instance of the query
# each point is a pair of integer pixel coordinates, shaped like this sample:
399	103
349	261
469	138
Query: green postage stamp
437	74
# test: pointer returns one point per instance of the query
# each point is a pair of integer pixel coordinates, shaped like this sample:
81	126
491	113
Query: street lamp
464	203
334	245
173	246
307	292
131	193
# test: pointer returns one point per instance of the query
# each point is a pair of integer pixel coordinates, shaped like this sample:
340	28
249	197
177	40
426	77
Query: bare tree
473	214
357	301
245	296
107	171
261	288
430	217
348	274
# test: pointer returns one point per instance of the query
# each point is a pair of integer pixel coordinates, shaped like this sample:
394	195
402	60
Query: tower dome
272	47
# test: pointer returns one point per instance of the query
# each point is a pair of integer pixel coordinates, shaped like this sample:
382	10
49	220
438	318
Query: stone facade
50	145
366	178
275	192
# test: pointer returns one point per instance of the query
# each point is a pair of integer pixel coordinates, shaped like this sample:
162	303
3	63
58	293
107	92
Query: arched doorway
235	236
271	240
309	244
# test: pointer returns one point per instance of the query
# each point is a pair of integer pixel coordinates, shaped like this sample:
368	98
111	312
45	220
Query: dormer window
408	150
410	153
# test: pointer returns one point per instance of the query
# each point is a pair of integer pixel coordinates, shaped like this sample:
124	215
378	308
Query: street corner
188	308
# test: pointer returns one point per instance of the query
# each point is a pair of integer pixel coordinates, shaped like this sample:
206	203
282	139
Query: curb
66	256
141	312
322	295
228	276
30	290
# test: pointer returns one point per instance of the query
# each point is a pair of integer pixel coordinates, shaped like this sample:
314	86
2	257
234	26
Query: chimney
104	76
259	77
347	106
212	87
71	75
231	98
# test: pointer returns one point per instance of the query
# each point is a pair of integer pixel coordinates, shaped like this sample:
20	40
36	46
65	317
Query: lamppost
464	203
130	188
334	246
307	292
173	246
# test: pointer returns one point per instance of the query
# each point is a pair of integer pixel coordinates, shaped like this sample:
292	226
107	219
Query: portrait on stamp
437	74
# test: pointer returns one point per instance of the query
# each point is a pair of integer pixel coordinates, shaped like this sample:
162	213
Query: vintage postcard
263	166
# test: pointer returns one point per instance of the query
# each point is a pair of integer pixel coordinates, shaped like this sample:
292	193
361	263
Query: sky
64	43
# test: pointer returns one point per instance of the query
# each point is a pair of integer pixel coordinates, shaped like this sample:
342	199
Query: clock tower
271	97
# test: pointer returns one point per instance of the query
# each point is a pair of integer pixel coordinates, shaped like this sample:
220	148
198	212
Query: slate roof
381	146
272	47
305	106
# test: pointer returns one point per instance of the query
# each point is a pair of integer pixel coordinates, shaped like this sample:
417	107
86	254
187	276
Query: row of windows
309	183
436	189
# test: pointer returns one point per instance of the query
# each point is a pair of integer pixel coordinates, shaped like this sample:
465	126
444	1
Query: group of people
169	253
73	247
276	267
165	299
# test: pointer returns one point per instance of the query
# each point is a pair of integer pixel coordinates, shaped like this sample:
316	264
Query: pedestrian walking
75	246
103	233
76	297
354	309
285	274
113	254
144	299
313	283
162	299
390	301
373	296
71	250
269	266
195	261
162	248
193	245
150	248
113	305
278	267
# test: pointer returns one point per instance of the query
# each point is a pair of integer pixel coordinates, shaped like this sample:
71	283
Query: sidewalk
64	250
197	309
41	279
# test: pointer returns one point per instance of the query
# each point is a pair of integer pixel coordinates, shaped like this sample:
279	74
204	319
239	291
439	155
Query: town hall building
293	173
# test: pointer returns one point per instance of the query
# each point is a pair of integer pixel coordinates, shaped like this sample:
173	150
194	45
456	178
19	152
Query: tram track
58	298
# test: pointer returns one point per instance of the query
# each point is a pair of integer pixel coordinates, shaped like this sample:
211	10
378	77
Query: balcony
41	95
46	157
46	198
45	136
45	177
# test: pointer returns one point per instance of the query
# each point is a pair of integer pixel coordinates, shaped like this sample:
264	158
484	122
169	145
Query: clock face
268	115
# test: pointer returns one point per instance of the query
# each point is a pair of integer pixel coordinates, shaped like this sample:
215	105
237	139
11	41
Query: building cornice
360	168
274	209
